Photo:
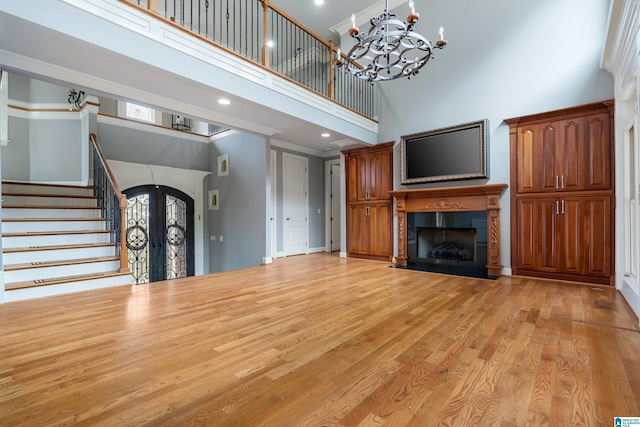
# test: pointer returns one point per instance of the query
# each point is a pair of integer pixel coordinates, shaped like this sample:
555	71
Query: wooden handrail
122	205
149	7
94	139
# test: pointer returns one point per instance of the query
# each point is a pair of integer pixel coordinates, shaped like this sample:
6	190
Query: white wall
621	55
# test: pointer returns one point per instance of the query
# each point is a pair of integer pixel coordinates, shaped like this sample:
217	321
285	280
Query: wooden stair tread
53	233
51	219
48	207
58	263
56	247
45	184
61	280
66	196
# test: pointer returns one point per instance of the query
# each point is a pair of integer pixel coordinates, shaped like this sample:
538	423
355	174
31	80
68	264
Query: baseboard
316	250
632	298
343	254
267	260
506	271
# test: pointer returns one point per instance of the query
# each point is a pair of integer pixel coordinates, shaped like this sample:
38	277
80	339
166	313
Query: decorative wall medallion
444	204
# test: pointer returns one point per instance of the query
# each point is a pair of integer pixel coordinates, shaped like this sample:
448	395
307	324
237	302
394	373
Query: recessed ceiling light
224	101
326	135
270	43
319	2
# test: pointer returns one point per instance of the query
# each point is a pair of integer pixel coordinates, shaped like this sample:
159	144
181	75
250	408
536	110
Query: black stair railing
265	35
112	203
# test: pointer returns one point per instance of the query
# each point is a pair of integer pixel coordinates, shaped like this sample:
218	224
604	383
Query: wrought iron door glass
159	233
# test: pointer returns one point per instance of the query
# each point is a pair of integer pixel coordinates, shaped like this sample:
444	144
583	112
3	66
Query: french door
159	233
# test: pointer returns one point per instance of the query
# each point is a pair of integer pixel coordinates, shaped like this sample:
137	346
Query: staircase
54	241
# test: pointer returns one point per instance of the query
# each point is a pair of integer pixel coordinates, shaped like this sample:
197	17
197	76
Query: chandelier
390	49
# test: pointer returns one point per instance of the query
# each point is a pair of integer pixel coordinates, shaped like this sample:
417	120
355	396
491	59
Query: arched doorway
159	233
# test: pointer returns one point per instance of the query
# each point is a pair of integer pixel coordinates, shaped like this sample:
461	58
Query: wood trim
565	113
244	58
453	199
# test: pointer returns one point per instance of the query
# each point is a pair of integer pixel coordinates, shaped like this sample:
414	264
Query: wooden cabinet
562	194
369	174
369	226
564	155
565	235
369	212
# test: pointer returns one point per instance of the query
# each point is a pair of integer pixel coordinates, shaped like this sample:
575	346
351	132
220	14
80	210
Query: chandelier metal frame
391	49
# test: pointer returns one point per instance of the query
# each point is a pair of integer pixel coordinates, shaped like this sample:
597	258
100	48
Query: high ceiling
320	18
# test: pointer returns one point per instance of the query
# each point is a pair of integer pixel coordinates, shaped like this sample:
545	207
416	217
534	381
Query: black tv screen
448	154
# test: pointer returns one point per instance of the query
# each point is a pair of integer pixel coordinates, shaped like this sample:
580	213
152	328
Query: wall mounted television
448	154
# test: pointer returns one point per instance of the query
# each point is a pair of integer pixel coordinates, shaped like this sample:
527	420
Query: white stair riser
38	226
57	255
50	213
59	271
85	285
11	200
55	240
45	189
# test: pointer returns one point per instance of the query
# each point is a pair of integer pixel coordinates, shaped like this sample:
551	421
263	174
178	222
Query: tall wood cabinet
369	176
562	194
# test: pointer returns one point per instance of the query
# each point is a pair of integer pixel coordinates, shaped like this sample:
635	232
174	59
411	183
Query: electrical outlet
213	238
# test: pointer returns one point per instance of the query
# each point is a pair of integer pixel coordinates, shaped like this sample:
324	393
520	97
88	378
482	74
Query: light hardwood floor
317	340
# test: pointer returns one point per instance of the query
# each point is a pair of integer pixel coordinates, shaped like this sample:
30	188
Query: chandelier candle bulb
353	31
413	17
442	42
338	60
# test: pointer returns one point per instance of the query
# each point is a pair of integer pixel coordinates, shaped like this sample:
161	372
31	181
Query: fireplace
452	230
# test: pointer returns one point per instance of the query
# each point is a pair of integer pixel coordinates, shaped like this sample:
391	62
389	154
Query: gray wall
15	155
136	146
503	59
242	217
42	148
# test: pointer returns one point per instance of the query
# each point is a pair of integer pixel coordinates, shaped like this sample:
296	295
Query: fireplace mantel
453	199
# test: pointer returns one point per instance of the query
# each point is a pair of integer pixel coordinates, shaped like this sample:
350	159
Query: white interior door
336	197
295	204
273	249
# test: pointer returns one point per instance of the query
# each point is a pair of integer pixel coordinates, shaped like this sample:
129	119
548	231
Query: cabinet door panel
358	230
526	160
548	180
572	244
353	178
570	154
380	170
380	226
546	225
598	236
527	248
597	168
537	158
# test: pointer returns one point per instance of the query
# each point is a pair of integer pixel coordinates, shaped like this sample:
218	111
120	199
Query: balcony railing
267	36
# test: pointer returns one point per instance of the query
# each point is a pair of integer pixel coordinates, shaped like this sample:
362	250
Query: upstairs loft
123	49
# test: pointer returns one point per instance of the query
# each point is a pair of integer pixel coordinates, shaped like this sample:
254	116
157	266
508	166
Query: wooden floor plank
318	340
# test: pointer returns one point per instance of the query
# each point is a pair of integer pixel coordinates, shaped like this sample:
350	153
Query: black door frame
157	229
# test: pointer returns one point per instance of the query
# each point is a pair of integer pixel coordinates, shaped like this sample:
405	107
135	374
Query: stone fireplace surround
453	199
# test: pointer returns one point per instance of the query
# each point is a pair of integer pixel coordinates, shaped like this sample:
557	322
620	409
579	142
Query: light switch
221	238
212	237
